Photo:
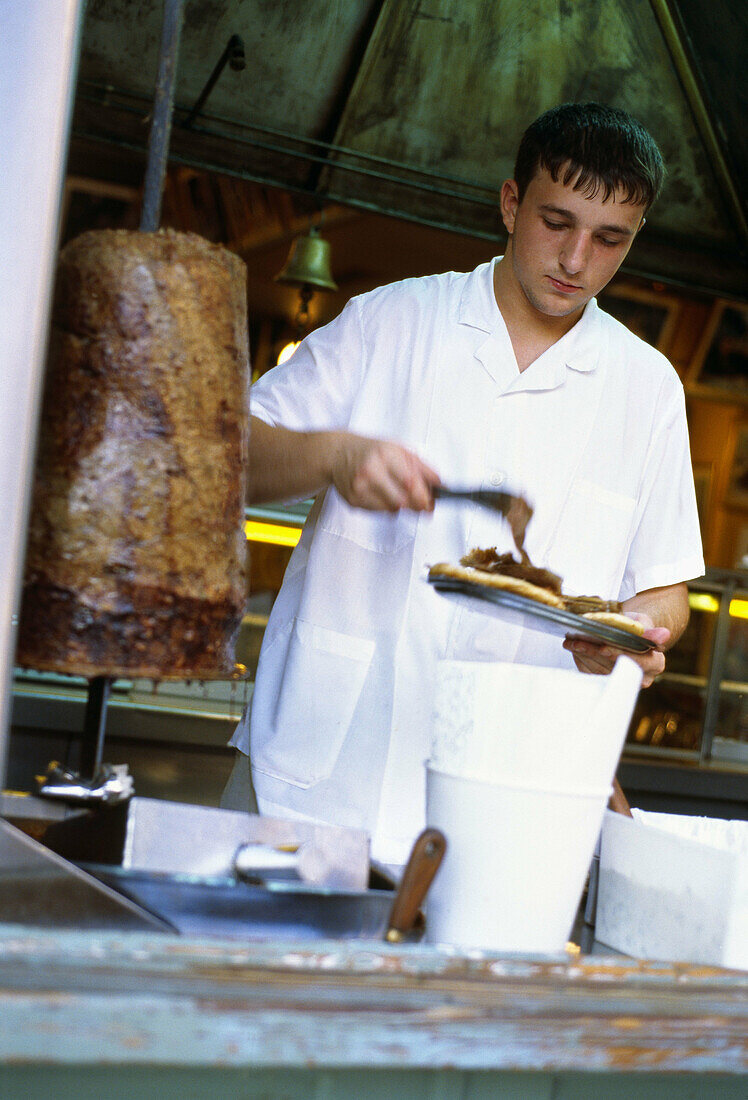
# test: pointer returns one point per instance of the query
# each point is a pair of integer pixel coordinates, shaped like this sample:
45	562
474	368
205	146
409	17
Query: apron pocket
300	723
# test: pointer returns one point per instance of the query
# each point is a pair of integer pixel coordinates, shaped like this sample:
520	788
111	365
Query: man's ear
509	203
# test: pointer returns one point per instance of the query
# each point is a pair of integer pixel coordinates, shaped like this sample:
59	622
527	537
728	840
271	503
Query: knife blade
516	510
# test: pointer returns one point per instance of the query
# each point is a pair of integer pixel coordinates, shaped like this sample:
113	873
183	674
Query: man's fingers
373	486
403	479
388	477
660	635
416	480
590	666
589	657
600	660
651	664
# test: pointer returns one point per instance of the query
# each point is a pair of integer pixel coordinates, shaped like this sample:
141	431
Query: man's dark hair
603	147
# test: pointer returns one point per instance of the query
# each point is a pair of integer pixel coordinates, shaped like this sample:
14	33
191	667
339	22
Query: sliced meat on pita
582	605
505	565
497	580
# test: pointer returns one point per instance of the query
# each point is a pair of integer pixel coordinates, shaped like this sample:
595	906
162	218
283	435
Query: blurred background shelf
687	746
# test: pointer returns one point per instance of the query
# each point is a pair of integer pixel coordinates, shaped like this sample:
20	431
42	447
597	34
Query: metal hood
415	107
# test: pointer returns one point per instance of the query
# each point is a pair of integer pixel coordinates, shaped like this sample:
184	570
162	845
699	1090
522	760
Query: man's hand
599	659
667	605
381	475
368	473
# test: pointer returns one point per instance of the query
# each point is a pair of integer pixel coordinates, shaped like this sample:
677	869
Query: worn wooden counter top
160	1006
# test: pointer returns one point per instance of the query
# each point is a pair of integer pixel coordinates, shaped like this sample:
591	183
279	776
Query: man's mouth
565	288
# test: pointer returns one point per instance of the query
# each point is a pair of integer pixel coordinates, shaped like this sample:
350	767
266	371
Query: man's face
564	247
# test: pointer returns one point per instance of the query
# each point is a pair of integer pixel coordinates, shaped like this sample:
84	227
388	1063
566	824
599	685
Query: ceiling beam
349	82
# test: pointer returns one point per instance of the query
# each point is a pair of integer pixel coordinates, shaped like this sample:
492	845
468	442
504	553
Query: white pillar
38	60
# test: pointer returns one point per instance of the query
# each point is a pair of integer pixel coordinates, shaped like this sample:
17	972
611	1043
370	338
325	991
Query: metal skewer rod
158	142
94	722
94	725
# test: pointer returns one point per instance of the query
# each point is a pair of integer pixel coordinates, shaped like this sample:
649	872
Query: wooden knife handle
425	860
618	801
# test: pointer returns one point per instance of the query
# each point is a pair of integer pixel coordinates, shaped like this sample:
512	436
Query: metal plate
536	616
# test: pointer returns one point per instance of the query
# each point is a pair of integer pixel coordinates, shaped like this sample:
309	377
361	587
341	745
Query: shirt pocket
592	545
383	532
302	719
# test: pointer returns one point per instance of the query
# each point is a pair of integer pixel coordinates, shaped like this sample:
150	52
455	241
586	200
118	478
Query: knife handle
425	860
618	802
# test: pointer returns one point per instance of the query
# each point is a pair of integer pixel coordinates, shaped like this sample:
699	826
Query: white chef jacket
594	432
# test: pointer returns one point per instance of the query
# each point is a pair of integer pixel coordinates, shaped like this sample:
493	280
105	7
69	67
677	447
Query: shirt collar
477	302
581	345
578	349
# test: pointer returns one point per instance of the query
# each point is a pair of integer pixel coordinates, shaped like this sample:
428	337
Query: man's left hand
598	658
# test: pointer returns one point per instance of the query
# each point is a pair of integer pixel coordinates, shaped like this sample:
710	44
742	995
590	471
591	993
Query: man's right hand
368	473
382	476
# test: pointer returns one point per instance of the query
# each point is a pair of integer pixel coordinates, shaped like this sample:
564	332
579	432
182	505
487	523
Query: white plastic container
516	862
674	887
523	724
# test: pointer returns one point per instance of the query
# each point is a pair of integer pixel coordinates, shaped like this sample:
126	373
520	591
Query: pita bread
496	580
611	618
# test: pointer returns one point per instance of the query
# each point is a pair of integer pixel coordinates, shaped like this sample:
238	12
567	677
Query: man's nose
574	253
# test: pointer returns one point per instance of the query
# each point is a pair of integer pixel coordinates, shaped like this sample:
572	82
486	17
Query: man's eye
609	242
554	225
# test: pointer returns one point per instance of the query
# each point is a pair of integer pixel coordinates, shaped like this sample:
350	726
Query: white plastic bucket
519	724
517	858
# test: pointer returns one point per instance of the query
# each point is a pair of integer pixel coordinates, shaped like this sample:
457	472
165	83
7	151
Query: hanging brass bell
308	263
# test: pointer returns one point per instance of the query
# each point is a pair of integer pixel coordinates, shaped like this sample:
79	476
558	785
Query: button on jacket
594	432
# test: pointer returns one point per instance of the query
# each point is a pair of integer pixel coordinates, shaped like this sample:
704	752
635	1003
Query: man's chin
553	305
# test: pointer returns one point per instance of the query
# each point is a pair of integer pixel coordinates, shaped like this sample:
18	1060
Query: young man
507	375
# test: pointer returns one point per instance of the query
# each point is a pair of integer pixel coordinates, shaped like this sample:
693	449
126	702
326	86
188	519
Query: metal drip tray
216	906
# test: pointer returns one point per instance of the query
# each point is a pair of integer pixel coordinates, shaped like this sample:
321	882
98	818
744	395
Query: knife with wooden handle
425	860
618	801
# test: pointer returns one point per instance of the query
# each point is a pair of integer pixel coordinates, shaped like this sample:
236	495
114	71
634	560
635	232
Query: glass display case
698	710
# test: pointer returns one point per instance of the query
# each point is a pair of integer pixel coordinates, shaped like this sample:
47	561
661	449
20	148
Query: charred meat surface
136	557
